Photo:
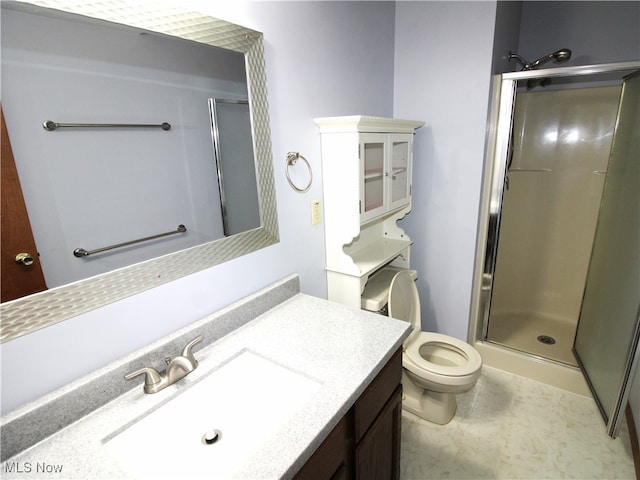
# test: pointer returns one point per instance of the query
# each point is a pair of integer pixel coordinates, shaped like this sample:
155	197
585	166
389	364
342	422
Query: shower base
533	367
522	331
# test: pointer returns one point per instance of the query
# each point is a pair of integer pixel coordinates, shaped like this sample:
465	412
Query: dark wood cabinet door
378	453
331	461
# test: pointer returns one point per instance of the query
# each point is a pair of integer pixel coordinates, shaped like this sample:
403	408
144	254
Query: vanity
291	385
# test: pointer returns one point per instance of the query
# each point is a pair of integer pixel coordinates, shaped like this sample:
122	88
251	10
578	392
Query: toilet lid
404	301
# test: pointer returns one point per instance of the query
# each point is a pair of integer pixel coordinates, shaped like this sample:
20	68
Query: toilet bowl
436	367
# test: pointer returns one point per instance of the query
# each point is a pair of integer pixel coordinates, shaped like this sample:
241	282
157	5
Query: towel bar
50	125
81	252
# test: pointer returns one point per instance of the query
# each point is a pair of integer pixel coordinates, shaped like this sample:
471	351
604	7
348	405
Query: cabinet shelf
373	173
376	173
380	252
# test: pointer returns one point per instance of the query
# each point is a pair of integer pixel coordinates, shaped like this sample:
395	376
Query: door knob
24	259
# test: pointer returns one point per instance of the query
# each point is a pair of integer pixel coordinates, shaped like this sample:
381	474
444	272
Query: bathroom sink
239	407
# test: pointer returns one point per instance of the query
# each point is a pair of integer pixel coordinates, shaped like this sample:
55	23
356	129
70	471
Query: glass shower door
606	342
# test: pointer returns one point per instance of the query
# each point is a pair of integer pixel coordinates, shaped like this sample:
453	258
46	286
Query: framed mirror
158	24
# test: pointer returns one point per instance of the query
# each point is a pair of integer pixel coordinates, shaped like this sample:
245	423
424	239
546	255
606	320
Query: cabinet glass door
372	188
399	171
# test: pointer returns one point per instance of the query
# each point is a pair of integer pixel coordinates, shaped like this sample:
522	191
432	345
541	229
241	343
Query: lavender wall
322	59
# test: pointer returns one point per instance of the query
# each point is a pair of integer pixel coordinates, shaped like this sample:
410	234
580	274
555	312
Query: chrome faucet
177	368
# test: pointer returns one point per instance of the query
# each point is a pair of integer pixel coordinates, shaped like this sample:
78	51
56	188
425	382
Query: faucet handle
151	375
186	352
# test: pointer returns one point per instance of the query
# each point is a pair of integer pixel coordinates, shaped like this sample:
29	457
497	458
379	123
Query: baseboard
633	434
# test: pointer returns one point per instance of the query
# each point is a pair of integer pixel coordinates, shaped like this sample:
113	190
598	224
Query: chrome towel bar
81	252
50	125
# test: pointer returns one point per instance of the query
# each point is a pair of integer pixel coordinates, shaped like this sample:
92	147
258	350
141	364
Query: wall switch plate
316	212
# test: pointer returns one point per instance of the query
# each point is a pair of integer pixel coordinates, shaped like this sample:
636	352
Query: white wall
442	73
322	59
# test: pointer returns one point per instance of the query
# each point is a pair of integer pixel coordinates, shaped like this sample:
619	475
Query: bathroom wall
595	31
442	73
322	59
505	36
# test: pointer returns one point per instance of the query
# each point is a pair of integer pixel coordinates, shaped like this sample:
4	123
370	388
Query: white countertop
342	348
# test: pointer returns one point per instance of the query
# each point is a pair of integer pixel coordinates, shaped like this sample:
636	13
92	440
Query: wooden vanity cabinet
366	442
333	458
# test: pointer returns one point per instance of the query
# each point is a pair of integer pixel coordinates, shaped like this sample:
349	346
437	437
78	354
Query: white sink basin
248	400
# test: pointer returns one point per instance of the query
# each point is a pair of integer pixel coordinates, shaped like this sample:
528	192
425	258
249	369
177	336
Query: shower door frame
499	132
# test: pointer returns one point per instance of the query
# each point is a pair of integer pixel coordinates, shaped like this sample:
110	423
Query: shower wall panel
562	140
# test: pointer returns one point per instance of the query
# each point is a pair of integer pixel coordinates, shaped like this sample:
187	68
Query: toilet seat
451	357
467	359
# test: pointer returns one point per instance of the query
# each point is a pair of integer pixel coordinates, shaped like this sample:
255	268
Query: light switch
316	212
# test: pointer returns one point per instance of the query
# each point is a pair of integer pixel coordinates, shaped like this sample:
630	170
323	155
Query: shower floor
521	332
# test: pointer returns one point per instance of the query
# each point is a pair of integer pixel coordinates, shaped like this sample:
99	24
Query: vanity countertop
342	348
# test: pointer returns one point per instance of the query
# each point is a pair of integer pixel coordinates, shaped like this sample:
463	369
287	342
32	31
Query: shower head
558	56
561	55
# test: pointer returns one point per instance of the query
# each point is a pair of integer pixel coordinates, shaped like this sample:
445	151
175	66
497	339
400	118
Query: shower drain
546	339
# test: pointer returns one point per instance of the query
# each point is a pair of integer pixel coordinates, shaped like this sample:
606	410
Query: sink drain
546	339
211	436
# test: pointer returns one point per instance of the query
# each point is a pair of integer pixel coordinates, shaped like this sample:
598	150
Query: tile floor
510	427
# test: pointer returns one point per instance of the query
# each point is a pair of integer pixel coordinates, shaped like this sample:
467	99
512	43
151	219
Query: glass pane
400	174
373	175
549	217
612	295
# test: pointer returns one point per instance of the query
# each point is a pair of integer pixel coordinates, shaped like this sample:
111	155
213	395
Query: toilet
435	367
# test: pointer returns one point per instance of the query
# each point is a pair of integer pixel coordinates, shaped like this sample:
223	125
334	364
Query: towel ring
292	158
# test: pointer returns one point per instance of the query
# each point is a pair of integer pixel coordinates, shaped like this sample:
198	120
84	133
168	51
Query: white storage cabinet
367	167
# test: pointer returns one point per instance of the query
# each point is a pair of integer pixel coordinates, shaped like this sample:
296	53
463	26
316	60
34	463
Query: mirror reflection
88	187
231	128
107	186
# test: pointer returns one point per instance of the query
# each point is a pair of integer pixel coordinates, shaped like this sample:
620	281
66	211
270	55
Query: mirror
157	24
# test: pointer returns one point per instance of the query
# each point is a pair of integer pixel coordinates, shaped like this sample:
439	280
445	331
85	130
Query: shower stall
548	234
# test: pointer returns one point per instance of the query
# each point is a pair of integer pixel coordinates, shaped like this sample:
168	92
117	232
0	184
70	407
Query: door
606	342
386	173
373	164
399	172
19	277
